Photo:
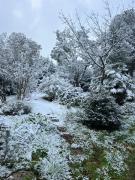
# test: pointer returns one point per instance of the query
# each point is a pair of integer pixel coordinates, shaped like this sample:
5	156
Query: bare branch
72	28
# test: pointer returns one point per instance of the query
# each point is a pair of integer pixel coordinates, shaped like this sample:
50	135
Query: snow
6	121
50	109
32	132
113	91
38	131
28	133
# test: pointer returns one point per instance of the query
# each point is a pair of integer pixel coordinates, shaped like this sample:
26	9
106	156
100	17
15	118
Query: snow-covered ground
41	106
50	109
28	133
67	143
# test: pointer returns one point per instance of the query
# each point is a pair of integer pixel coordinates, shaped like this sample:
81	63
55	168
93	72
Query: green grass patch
89	166
39	154
130	174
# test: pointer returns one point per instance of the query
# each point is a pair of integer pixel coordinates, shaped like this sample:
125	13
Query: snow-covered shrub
58	88
101	112
120	85
72	96
54	86
16	108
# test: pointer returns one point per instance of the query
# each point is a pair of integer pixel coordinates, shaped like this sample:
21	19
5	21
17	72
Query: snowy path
51	109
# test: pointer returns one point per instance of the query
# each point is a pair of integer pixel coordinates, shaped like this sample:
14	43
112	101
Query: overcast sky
39	19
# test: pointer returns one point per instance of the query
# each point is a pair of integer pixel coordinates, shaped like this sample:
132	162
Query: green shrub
101	113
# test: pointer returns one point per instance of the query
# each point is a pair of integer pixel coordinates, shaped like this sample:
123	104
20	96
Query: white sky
39	19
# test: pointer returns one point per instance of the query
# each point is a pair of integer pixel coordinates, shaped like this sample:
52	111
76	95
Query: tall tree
124	52
20	61
70	57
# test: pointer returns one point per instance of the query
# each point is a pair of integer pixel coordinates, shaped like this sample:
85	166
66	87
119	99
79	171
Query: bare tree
96	52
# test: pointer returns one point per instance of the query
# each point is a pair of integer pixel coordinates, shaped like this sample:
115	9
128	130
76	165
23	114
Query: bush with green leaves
101	113
16	108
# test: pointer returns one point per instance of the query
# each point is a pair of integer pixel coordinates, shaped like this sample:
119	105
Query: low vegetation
70	116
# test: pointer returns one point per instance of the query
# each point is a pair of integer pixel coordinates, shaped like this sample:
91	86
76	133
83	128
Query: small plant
17	108
40	153
50	96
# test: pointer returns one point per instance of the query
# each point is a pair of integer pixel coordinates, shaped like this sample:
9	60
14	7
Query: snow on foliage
21	62
58	88
112	145
16	108
32	133
84	72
